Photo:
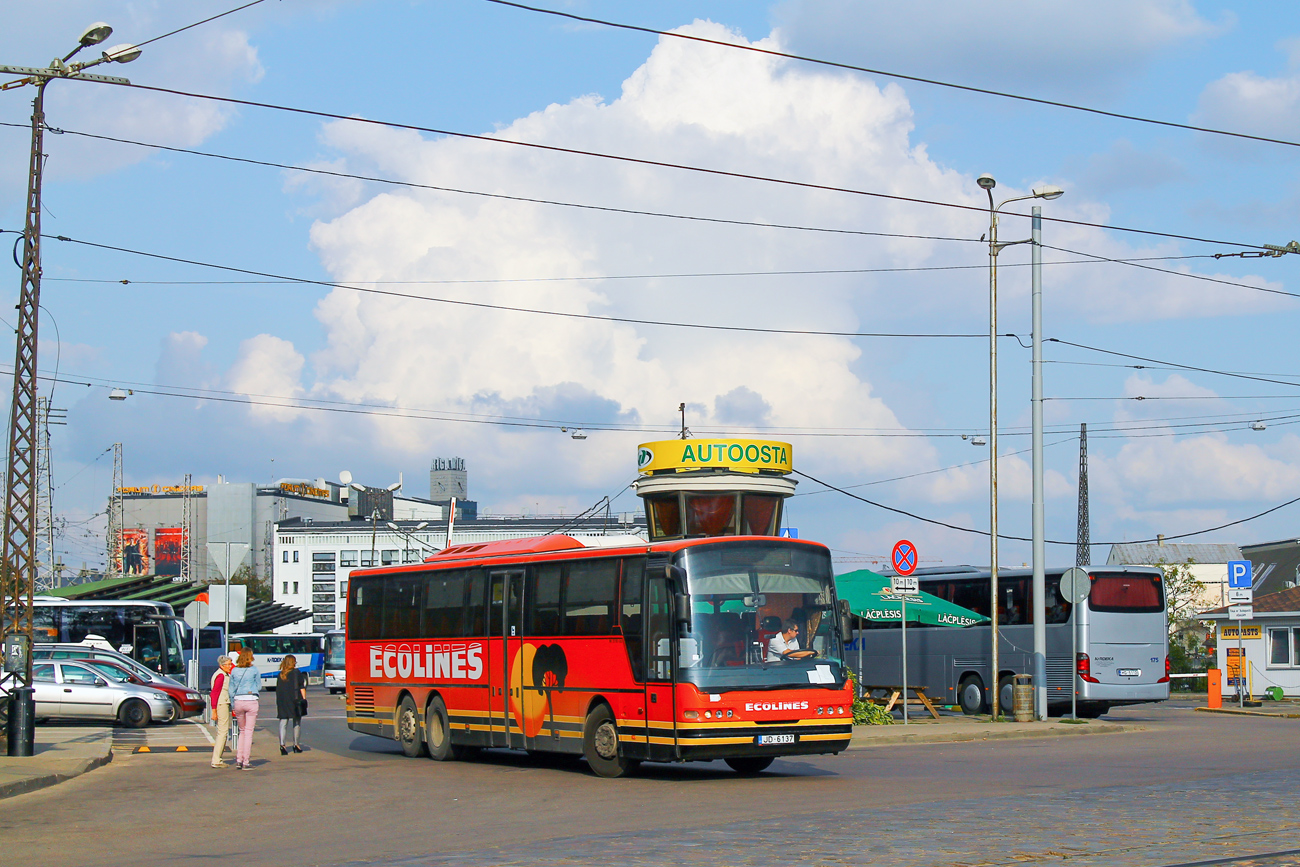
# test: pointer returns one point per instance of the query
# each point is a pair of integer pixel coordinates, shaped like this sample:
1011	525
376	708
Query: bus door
147	645
660	711
506	595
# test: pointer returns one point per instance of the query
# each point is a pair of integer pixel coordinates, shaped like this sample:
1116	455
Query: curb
1237	712
965	737
32	784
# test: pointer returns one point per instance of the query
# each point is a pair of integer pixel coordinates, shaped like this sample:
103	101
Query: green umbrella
870	597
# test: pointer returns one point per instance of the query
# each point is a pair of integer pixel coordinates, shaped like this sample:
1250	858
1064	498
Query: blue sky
859	411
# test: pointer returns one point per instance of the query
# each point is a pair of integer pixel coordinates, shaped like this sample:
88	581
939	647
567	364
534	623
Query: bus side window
496	598
367	608
545	614
631	619
474	604
444	597
589	597
403	603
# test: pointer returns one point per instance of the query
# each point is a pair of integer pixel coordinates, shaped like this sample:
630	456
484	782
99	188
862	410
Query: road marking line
211	741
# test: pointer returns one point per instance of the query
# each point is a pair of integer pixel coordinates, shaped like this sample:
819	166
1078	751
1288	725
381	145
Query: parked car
187	702
179	695
74	690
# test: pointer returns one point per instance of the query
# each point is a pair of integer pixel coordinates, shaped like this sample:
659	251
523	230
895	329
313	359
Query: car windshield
335	651
112	672
757	609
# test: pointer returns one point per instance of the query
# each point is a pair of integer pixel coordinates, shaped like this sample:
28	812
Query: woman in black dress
290	696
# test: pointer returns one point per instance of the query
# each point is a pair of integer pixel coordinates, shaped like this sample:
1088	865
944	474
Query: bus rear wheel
970	695
437	732
408	728
749	765
600	744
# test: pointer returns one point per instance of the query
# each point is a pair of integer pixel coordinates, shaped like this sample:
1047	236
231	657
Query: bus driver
785	644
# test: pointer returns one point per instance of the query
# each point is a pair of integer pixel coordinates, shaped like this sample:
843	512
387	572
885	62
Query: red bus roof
507	548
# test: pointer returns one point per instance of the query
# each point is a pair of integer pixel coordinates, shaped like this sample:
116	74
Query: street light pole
987	183
18	558
1039	591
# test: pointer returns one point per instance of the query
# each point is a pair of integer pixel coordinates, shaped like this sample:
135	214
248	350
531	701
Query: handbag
302	707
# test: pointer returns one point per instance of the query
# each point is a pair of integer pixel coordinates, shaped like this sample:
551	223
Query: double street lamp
18	561
987	183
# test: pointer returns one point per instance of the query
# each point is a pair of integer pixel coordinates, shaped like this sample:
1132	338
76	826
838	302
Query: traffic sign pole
1241	580
905	559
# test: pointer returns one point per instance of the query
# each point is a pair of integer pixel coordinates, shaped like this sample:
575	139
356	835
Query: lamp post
18	561
406	537
987	183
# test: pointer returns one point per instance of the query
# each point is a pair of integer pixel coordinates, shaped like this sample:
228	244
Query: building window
286	557
286	587
367	558
1284	647
295	556
348	558
295	588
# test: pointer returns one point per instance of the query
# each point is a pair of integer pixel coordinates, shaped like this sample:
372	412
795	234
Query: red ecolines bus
614	649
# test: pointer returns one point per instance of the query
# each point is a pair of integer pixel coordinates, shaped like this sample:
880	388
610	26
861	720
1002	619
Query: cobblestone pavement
1247	820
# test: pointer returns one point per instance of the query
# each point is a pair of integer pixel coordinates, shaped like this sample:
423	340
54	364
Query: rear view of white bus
1123	637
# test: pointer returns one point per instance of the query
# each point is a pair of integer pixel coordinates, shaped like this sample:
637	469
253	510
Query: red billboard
168	550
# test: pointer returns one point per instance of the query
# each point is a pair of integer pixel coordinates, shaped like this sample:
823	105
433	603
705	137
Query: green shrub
866	713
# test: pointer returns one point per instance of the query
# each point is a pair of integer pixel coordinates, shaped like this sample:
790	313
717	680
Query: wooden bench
888	696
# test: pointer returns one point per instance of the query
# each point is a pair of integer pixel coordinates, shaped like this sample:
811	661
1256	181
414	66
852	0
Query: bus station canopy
871	597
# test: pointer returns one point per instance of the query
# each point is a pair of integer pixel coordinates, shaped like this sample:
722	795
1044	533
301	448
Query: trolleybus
1123	647
613	649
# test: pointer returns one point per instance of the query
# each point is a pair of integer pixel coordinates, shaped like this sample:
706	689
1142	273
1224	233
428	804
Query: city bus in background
1123	643
269	650
335	667
212	644
148	632
611	648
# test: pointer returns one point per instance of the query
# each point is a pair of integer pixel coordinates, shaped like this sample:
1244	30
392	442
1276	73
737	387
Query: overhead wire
932	81
623	158
1171	364
1135	264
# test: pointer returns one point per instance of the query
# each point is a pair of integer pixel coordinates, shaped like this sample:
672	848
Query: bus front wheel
600	744
970	695
408	728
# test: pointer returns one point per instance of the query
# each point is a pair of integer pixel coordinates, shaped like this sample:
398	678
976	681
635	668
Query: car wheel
437	732
748	765
408	728
970	695
134	713
176	712
600	744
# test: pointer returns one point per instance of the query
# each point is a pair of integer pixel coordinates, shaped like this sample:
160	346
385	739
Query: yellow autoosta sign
746	456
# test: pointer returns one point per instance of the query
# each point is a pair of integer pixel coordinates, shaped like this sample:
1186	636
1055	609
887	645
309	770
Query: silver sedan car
73	690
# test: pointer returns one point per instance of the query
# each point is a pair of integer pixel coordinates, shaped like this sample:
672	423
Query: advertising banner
135	551
168	550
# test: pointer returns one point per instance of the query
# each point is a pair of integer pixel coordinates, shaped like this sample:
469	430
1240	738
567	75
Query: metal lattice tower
47	577
116	516
1082	550
18	561
187	518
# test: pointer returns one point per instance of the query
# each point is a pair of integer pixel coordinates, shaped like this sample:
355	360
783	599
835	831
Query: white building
313	559
1269	642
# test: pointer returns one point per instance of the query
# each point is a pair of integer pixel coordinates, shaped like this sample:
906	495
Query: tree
1184	594
258	588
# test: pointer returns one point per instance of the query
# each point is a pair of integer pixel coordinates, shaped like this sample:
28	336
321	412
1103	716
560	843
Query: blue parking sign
1239	573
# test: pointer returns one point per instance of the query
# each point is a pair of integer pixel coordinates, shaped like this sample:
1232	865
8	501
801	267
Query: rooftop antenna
681	407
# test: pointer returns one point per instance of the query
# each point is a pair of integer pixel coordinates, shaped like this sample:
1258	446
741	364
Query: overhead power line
1173	364
786	182
933	81
1135	264
1070	543
197	23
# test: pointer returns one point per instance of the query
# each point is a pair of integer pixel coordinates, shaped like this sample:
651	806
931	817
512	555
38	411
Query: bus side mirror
682	607
846	620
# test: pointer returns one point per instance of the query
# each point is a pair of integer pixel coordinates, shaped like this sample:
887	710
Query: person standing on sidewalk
245	689
290	696
220	702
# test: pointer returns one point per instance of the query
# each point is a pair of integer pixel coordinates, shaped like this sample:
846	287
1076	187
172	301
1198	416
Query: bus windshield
743	597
